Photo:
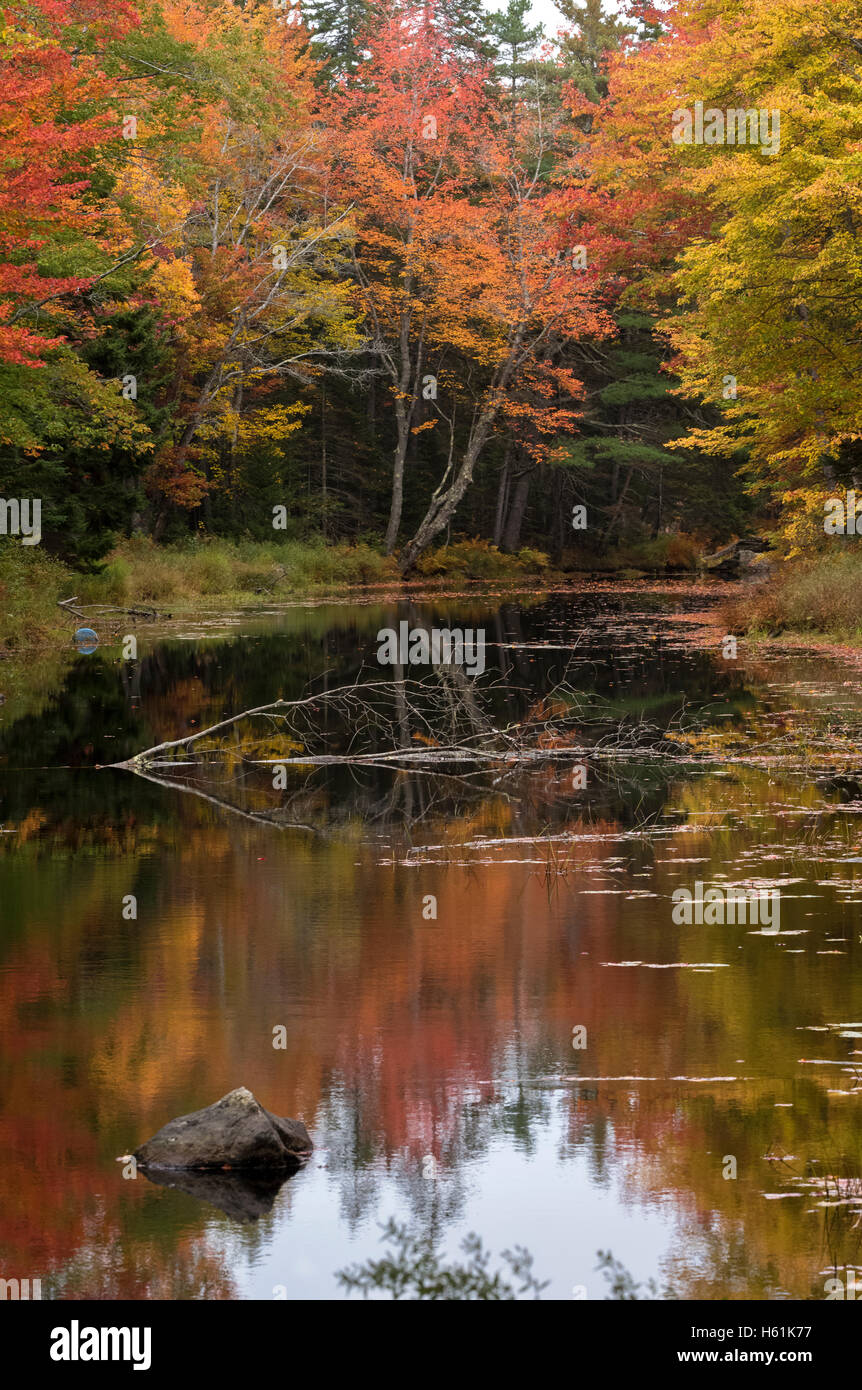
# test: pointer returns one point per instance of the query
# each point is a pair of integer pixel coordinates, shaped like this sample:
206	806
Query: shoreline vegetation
811	599
808	596
207	574
413	270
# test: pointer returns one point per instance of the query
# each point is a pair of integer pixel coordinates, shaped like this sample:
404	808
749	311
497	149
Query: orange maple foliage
462	260
54	116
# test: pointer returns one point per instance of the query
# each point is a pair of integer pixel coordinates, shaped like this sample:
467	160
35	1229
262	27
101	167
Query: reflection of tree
436	740
406	1037
413	1268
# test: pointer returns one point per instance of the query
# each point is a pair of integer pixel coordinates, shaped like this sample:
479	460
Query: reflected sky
449	1038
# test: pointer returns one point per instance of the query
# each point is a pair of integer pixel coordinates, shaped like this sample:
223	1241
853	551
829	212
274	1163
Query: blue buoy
86	640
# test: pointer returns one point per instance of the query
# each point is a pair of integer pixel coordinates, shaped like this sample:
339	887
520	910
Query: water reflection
244	1196
413	1036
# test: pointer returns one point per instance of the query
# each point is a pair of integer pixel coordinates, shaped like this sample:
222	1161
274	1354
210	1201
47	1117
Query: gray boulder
745	556
236	1132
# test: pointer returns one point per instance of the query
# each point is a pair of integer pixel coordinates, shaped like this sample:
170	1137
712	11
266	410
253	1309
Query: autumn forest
430	703
394	274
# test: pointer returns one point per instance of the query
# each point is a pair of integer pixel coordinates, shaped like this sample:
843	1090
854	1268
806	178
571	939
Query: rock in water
236	1132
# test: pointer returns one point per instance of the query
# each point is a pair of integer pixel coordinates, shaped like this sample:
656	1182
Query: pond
491	1017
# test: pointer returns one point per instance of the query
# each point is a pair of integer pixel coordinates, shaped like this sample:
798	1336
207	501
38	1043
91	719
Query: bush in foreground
416	1270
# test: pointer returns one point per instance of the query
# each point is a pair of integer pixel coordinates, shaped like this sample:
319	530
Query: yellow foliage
269	424
162	204
174	286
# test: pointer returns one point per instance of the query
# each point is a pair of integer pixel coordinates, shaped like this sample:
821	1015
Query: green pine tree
467	23
596	35
514	40
622	465
336	27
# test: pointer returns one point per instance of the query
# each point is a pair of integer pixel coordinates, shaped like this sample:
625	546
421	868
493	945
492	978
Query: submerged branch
259	817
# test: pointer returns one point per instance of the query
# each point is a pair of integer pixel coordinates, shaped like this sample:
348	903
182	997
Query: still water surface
411	1039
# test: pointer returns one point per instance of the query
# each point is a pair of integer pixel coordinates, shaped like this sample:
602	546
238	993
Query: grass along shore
817	597
211	574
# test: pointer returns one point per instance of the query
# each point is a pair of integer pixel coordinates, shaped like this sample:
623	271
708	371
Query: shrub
656	555
31	582
533	561
814	596
478	559
212	571
111	585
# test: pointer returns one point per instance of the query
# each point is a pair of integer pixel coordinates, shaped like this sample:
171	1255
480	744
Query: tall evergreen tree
468	25
514	39
621	463
336	27
596	34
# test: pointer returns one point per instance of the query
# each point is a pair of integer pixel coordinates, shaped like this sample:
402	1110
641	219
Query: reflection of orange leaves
139	1046
550	739
405	1021
543	710
30	825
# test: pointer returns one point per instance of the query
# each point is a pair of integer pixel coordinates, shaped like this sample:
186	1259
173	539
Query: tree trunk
443	504
502	494
323	455
403	425
371	401
405	405
660	512
514	521
161	520
557	524
616	512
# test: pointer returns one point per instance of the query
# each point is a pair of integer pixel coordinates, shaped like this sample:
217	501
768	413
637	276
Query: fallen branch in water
151	614
456	753
436	738
141	759
378	724
66	605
